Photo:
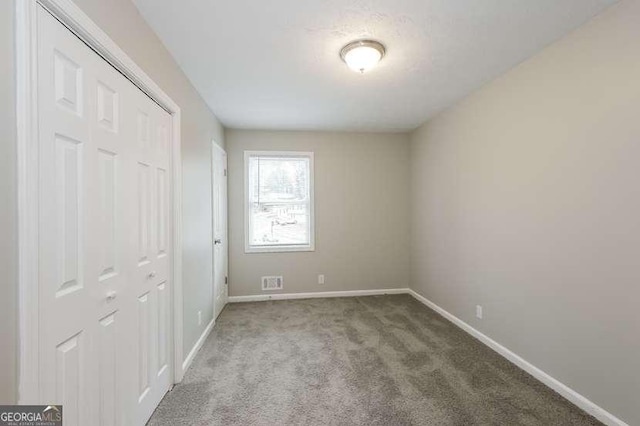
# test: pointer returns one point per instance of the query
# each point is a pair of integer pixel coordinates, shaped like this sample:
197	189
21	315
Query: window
278	201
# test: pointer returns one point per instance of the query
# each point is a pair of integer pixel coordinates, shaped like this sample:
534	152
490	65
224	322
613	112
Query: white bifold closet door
105	259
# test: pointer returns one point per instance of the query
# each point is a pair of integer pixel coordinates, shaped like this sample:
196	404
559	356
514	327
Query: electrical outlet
479	311
321	279
199	317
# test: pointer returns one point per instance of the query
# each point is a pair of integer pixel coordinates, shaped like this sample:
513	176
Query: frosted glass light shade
362	55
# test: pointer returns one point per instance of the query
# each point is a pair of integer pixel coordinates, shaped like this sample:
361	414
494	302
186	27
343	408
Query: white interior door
219	185
149	198
105	237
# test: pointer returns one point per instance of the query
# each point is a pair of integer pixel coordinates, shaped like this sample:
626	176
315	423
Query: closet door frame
70	15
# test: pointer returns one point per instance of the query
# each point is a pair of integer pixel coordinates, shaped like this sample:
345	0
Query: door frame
71	16
215	147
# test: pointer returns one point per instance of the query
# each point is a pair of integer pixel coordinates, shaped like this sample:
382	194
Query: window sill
281	249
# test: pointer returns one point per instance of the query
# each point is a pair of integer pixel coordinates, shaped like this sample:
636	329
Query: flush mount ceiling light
362	55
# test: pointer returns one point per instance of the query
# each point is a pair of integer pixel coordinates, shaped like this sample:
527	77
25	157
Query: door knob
152	274
217	242
111	296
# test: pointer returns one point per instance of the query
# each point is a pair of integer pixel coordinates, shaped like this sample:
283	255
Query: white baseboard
568	393
194	351
321	294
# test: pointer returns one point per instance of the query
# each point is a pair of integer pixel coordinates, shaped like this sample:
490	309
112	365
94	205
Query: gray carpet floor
380	360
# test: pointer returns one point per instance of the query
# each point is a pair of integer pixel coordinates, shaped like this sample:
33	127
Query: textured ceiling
275	64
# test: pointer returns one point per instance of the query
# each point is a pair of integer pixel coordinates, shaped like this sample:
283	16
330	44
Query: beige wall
361	214
8	210
526	201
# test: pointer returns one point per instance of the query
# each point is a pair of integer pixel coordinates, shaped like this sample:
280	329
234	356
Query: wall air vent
272	283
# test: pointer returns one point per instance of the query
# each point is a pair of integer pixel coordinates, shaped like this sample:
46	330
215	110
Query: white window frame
248	247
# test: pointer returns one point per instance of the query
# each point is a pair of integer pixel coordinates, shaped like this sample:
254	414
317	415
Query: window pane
279	196
278	224
279	179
